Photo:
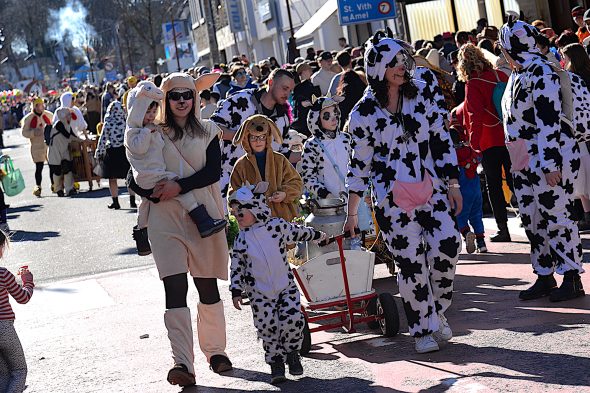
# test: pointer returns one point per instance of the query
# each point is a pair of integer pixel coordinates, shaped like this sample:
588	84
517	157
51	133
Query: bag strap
331	159
180	154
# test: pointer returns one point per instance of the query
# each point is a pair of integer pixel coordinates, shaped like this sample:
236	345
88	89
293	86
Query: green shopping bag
12	182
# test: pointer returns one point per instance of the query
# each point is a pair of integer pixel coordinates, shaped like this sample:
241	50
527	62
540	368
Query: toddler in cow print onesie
543	144
259	267
402	148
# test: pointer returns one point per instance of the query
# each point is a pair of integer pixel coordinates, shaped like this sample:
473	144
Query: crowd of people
416	127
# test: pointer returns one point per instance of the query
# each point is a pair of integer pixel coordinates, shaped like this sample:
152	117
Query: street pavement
95	299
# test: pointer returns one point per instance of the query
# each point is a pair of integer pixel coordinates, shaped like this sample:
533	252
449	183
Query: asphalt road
61	238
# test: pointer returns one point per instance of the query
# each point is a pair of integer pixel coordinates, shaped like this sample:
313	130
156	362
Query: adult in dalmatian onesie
547	158
325	155
270	101
401	145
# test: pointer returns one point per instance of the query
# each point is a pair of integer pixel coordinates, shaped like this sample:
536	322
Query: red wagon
337	288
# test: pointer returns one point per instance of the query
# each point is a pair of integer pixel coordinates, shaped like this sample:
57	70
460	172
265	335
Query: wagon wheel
389	317
372	310
306	344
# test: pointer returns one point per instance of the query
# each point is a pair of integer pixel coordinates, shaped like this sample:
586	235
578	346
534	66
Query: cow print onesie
532	108
319	176
386	147
231	113
259	267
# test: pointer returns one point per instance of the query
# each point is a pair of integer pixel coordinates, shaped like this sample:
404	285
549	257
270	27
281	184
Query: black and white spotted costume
532	111
113	132
319	176
231	113
425	242
259	267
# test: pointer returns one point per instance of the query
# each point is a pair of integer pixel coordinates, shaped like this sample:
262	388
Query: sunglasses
176	96
254	138
329	115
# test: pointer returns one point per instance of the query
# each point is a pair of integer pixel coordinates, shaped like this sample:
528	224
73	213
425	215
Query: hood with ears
518	38
251	197
66	99
61	114
382	51
314	122
181	80
138	101
258	124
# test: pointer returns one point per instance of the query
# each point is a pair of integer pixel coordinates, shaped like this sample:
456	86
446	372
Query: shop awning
317	19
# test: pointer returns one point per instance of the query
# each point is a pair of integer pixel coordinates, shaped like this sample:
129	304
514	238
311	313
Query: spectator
240	81
345	61
578	15
302	97
223	85
324	76
310	54
461	38
351	88
343	44
107	97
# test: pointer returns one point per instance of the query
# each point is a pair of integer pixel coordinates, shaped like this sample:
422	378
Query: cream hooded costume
175	241
60	157
78	124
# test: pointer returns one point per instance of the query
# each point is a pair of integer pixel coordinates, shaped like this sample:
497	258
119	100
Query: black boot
294	363
570	288
132	202
502	236
542	287
277	372
141	241
206	225
115	205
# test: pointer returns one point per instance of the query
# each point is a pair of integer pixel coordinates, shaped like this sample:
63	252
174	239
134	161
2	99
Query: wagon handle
333	238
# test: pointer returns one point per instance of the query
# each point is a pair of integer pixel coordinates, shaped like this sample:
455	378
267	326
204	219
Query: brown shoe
220	364
179	375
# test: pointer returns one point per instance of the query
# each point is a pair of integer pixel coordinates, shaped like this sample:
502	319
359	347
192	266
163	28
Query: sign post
364	11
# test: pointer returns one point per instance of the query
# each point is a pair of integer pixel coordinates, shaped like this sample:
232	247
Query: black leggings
39	173
176	288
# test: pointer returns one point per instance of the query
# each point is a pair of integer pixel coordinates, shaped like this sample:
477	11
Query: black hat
326	55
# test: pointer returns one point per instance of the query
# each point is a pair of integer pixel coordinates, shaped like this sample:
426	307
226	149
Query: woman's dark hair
352	88
487	45
193	127
381	89
579	61
566	38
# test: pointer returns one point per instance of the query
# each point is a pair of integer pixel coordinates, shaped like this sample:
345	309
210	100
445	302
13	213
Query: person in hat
33	128
176	244
270	101
259	267
262	163
302	94
586	40
545	160
578	16
131	83
427	65
323	77
144	145
402	148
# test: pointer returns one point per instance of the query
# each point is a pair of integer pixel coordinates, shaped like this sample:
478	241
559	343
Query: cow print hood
314	123
251	197
519	39
382	51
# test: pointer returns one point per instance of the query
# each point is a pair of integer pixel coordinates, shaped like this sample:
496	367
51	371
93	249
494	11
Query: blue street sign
365	11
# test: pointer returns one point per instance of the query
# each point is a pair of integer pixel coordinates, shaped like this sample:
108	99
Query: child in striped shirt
11	349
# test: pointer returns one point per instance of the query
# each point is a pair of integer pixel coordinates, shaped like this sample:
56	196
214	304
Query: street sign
365	11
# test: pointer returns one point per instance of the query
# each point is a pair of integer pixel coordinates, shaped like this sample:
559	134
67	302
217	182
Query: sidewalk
84	336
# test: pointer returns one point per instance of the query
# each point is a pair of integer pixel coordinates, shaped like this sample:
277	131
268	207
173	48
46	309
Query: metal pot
327	215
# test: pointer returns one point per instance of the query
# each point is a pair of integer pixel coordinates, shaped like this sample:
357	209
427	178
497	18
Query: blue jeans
472	212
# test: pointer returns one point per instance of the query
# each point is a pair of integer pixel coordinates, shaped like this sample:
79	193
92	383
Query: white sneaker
426	344
470	242
444	332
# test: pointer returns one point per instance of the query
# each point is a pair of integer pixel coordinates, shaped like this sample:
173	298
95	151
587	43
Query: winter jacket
482	120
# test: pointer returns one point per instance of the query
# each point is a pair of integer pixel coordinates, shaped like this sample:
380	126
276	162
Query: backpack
497	94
